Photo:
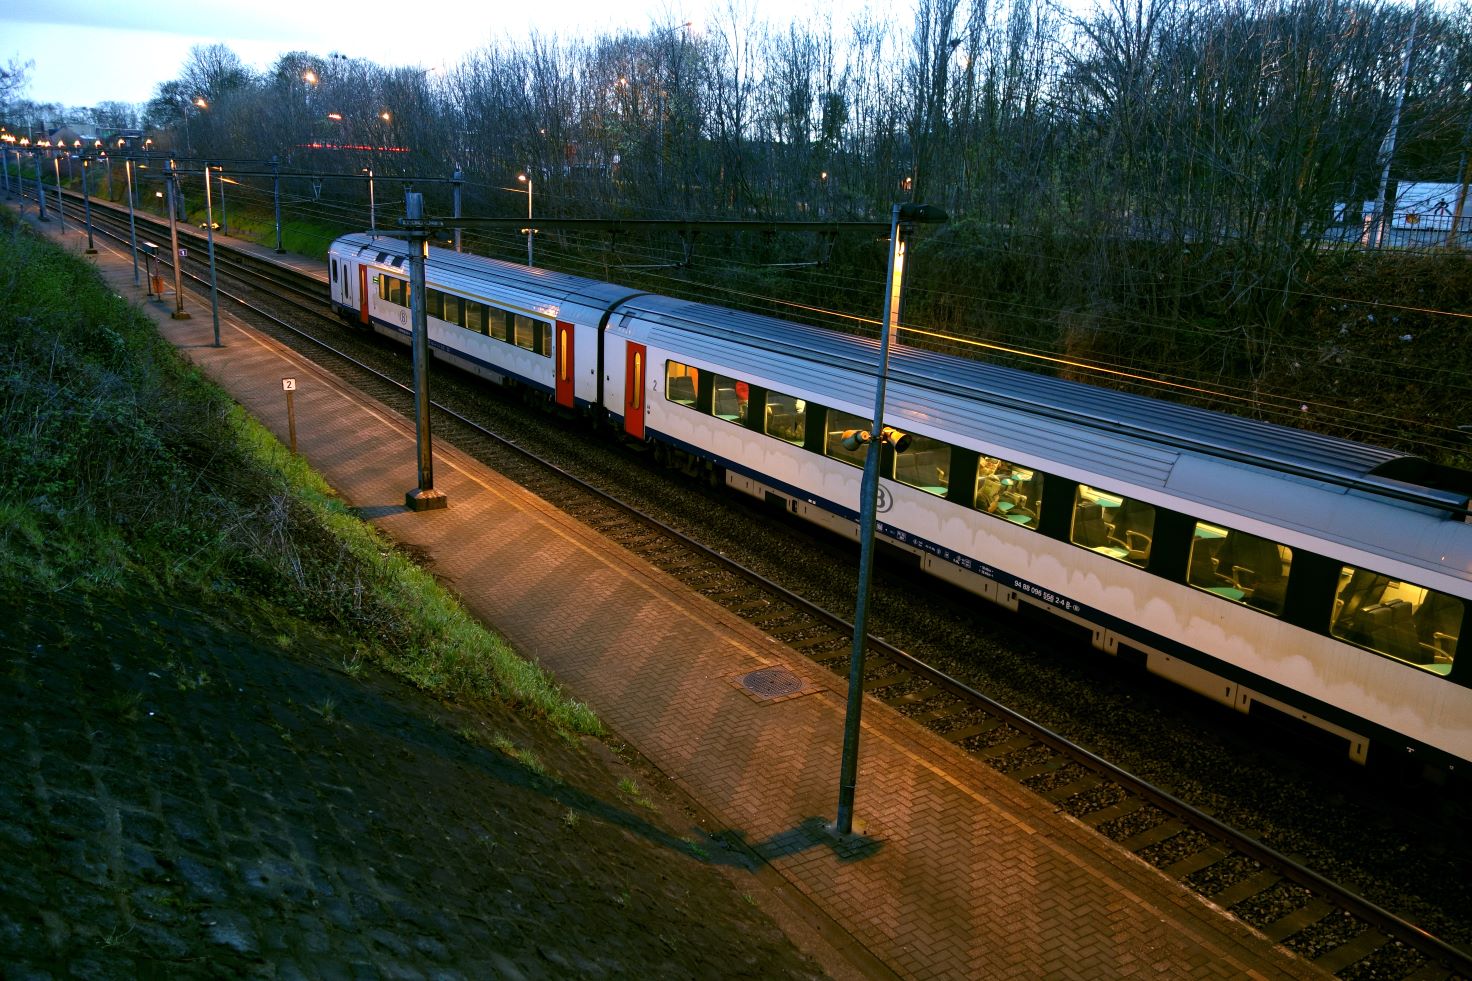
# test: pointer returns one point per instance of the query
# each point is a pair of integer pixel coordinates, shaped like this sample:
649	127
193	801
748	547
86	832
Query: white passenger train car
1257	565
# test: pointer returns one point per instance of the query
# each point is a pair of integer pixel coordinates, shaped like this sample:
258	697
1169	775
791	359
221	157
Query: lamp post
877	435
456	180
276	198
372	204
87	204
179	312
132	226
209	231
60	211
424	497
222	180
5	140
40	188
526	179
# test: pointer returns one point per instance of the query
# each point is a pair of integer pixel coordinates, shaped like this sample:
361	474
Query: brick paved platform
957	873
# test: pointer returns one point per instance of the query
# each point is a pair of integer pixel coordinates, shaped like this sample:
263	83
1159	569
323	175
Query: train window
1240	567
1008	491
475	316
334	270
681	382
524	332
501	322
434	304
731	398
1405	621
840	423
454	310
925	464
544	338
787	417
1113	525
394	290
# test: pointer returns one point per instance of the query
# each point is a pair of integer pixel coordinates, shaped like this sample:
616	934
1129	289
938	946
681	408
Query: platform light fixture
526	178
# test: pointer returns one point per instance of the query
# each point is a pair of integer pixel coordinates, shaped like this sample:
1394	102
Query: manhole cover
771	682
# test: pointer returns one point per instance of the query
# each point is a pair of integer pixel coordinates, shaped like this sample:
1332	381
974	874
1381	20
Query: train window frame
434	304
1241	584
1008	491
475	311
1401	618
919	458
1110	541
775	413
739	398
454	309
836	423
686	371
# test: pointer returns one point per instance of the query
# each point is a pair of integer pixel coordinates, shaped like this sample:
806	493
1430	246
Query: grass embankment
123	470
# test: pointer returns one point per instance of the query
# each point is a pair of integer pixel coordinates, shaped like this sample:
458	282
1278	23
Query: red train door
564	363
363	294
634	391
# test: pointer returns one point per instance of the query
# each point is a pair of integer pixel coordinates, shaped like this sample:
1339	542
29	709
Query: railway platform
952	873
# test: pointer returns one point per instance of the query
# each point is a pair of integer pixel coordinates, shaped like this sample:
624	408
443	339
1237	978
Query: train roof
1133	437
536	287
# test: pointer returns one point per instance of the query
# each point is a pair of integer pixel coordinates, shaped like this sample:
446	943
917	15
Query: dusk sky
87	51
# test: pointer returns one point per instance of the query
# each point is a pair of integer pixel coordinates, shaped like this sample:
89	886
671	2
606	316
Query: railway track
1323	921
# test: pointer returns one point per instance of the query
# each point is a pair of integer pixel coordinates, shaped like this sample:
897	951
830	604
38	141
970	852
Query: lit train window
731	398
525	334
1240	567
475	317
1009	491
787	417
453	310
681	382
501	324
1403	620
1113	525
434	304
925	464
394	290
838	424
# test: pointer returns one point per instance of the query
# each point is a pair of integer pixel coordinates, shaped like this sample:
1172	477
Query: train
1260	566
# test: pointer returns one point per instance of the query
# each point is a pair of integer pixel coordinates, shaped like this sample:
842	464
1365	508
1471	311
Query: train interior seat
1438	625
1089	527
1389	627
781	423
681	389
1134	531
1203	570
729	405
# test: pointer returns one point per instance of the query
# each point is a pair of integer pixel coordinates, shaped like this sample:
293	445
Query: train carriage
502	322
1258	565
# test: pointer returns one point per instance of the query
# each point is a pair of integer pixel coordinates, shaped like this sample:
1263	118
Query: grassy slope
123	470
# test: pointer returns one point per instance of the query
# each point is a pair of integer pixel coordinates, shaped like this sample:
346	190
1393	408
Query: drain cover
771	682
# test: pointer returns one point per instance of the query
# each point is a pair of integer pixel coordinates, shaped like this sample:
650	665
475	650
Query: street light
900	217
526	179
372	208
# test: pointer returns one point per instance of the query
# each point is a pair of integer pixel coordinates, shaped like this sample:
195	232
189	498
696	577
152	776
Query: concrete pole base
425	500
91	251
181	315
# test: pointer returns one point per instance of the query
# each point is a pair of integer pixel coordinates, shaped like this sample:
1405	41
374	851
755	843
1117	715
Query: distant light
335	115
